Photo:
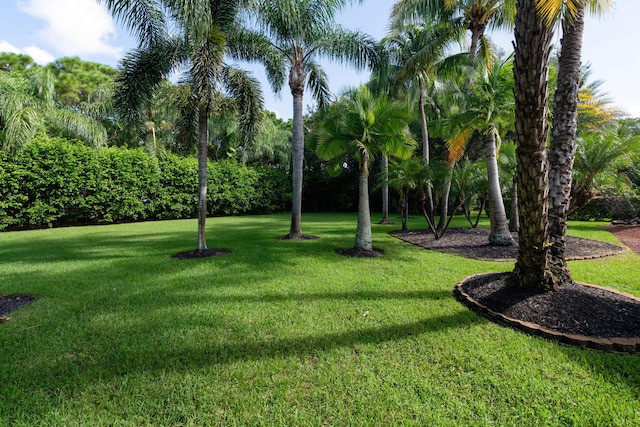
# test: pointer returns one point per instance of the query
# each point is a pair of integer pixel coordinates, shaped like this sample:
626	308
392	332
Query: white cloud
40	56
634	111
75	27
5	46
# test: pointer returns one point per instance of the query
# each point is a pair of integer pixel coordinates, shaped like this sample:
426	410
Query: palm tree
208	30
564	125
475	15
416	60
488	111
363	126
531	68
28	107
599	155
300	31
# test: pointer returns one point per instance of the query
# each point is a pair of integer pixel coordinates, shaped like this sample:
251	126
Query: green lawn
284	333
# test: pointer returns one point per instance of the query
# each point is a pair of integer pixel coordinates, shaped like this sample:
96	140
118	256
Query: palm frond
245	89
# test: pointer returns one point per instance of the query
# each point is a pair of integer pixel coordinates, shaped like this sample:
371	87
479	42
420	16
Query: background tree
488	113
205	32
28	108
301	31
364	126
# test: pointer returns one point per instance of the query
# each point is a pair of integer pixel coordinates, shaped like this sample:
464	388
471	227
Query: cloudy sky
50	29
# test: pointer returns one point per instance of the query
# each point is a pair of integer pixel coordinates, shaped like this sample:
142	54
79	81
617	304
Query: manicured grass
283	333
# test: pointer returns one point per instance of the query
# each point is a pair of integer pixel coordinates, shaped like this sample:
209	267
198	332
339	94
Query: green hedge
55	182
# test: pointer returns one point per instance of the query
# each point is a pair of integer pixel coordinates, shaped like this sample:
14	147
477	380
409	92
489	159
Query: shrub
57	182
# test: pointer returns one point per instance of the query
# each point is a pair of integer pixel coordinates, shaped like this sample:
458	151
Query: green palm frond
245	89
318	83
80	126
144	18
251	46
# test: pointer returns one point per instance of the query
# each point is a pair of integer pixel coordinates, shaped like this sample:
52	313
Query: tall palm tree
531	68
488	112
301	31
417	58
363	125
207	31
564	125
28	107
475	15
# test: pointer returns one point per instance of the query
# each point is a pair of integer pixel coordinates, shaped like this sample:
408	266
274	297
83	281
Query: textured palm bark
297	79
499	234
531	67
203	154
563	141
363	231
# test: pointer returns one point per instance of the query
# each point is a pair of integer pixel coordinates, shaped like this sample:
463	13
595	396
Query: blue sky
50	29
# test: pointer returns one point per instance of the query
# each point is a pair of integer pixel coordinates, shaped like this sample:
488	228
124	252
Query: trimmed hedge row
55	182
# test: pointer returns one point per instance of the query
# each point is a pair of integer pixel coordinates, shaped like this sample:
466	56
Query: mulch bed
474	243
201	253
9	303
576	314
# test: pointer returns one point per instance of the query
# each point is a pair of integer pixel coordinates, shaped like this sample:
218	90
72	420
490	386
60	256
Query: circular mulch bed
361	253
577	314
9	303
201	253
474	243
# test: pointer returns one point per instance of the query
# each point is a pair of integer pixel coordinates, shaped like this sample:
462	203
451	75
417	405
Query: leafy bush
55	182
608	208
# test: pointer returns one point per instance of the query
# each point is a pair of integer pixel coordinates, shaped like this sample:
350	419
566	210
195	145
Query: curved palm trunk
385	190
202	176
563	141
297	78
363	231
425	147
500	234
531	66
444	203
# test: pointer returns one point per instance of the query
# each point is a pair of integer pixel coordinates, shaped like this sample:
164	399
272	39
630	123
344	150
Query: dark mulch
9	303
361	253
298	238
201	253
474	243
574	309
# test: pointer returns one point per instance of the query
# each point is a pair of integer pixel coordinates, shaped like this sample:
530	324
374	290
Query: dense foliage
54	182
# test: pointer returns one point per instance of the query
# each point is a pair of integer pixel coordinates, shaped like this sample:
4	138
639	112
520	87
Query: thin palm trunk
297	78
563	141
531	67
500	234
363	231
444	203
202	177
514	220
425	147
385	190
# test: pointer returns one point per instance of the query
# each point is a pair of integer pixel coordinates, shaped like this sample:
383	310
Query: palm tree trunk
202	176
363	231
563	140
385	190
425	147
514	220
297	79
500	234
531	67
444	203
